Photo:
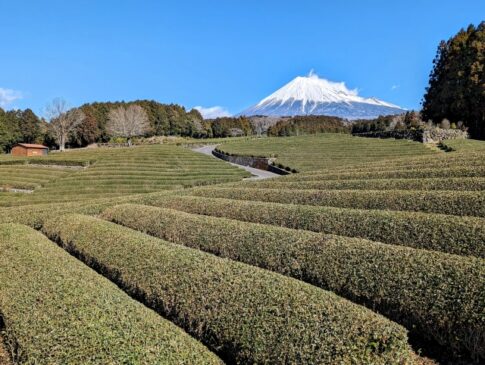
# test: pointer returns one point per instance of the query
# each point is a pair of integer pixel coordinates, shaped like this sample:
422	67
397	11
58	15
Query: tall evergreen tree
19	126
456	88
29	126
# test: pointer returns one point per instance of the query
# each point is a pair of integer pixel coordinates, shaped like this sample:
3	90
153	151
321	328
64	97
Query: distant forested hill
164	119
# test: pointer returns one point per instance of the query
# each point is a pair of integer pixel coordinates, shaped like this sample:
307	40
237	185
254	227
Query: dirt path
257	173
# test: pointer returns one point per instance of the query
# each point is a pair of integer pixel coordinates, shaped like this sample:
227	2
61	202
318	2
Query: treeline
456	88
22	126
229	127
164	119
308	124
411	120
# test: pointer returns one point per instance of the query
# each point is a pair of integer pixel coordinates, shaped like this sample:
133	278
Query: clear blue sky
219	53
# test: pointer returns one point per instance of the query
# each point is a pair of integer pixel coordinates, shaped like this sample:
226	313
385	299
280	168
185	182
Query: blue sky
228	54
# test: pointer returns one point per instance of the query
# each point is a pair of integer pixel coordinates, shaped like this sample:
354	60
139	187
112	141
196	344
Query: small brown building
28	149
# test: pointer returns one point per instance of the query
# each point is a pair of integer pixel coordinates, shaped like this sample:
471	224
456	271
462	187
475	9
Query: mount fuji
312	95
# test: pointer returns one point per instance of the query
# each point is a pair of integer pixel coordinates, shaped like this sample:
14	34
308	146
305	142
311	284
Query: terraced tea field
112	172
375	254
316	152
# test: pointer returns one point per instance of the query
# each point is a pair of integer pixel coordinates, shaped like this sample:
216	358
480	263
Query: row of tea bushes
246	314
431	162
411	286
461	203
60	162
466	145
419	173
8	184
25	176
58	311
35	215
454	184
11	161
451	234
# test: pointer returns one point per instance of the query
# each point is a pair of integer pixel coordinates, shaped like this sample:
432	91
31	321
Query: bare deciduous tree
63	121
128	122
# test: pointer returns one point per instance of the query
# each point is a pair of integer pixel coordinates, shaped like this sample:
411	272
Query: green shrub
59	162
447	311
454	184
418	173
118	140
246	314
58	311
12	162
35	215
7	185
413	163
460	203
457	235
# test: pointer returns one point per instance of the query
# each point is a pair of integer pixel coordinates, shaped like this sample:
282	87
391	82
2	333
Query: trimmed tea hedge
445	304
451	234
13	162
35	215
454	184
246	314
474	171
461	203
412	163
60	162
58	311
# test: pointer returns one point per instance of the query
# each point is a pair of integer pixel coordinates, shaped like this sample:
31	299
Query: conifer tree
456	88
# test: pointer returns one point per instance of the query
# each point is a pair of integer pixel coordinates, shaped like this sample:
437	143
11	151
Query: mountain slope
312	95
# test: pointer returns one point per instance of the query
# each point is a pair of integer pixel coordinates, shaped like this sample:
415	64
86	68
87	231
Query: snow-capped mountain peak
314	95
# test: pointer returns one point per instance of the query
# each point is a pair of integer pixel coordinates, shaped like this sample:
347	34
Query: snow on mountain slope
312	95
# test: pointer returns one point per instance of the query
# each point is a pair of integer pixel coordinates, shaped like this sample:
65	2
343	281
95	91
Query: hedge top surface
452	234
58	311
383	277
248	315
460	203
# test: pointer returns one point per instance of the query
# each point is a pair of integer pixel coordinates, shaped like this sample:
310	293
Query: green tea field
326	150
373	253
88	174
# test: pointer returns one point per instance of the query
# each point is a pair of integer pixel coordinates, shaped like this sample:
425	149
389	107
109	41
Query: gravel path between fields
257	173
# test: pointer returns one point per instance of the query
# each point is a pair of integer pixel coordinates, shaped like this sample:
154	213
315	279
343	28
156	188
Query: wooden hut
29	149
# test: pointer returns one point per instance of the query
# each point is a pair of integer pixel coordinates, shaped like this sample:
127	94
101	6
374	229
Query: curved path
257	173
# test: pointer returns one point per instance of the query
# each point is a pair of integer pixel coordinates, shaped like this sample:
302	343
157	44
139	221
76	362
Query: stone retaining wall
261	163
